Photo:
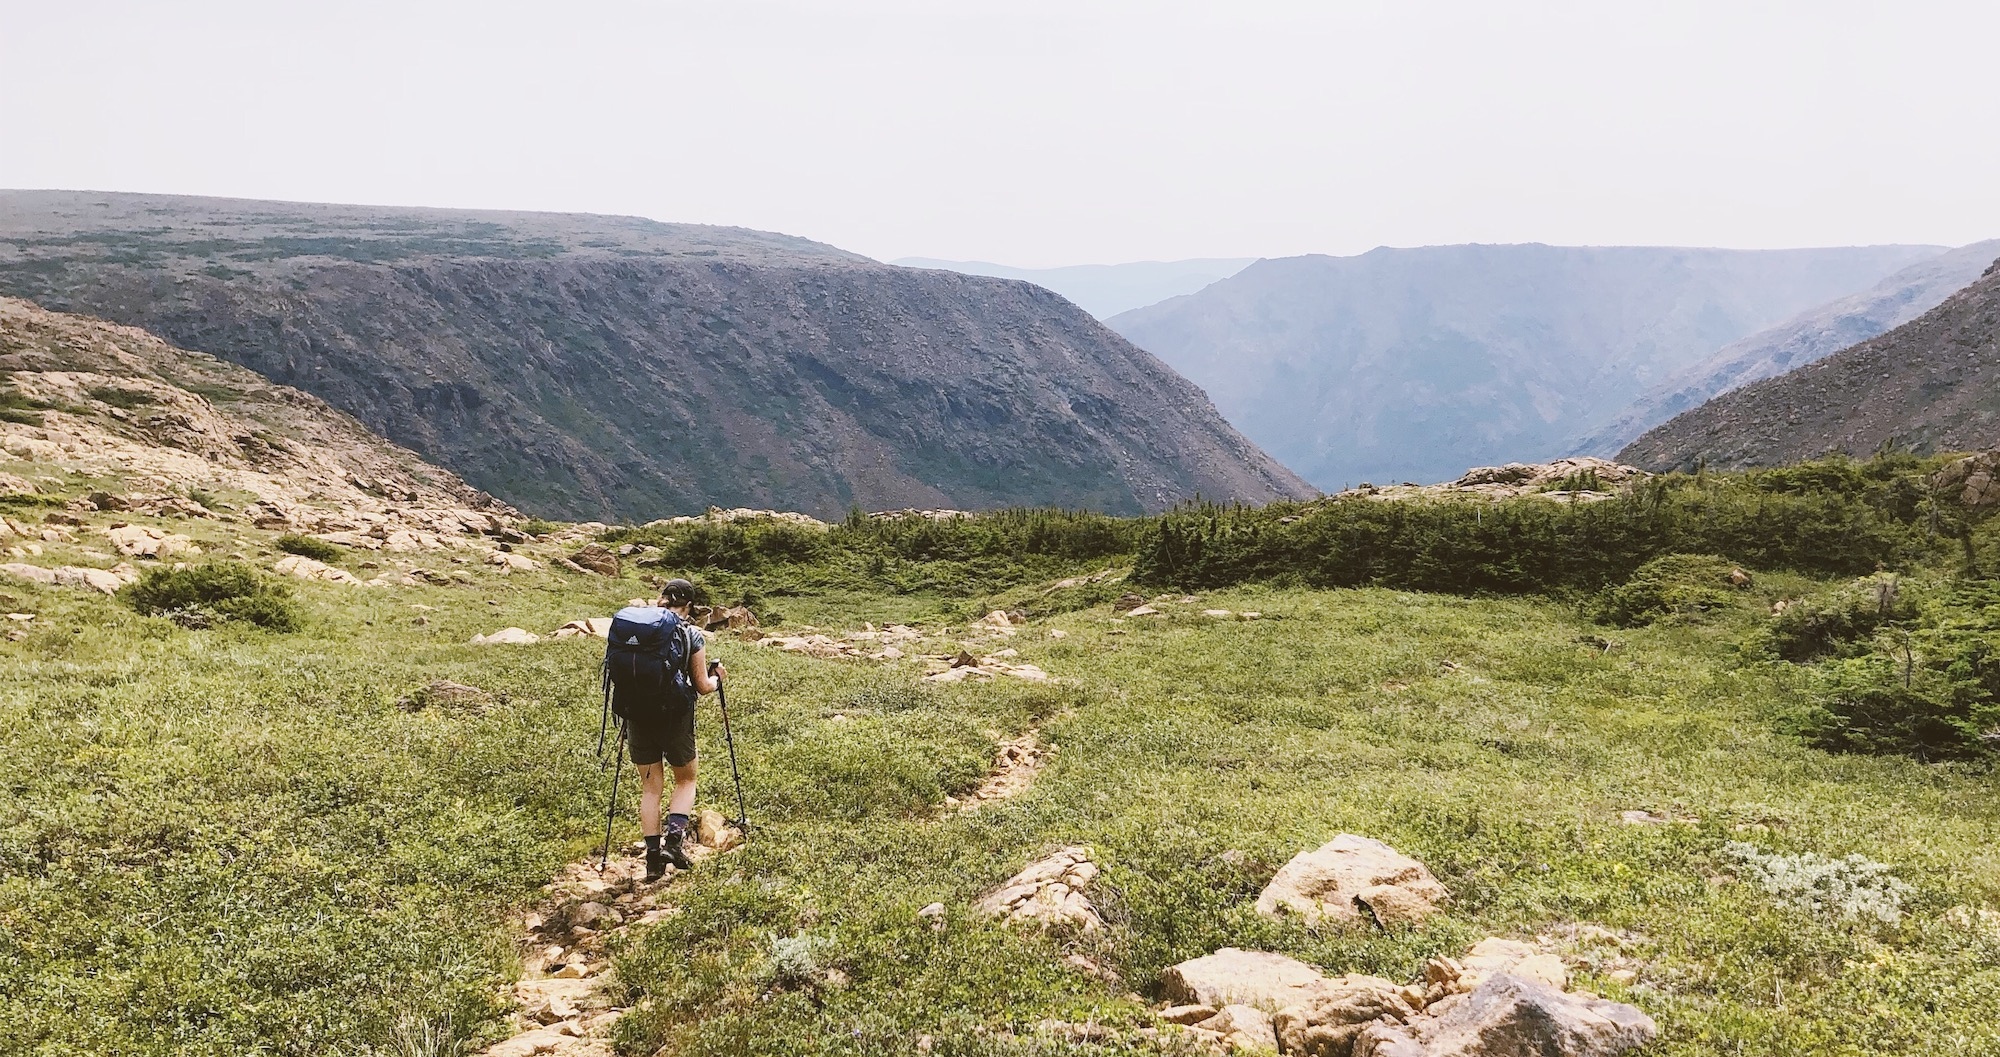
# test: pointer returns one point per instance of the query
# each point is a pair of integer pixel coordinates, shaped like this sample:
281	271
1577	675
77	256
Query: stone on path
1349	878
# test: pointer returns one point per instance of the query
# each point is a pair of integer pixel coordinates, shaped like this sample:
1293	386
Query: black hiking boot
656	864
670	846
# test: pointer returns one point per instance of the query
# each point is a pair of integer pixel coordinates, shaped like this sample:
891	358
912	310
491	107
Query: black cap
677	592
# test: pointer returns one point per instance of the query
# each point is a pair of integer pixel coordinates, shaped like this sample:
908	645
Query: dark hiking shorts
657	729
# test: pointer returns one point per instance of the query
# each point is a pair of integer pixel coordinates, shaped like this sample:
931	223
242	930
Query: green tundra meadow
223	837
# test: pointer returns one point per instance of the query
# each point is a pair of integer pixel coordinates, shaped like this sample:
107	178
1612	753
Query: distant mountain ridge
1932	384
1803	339
616	368
1104	290
1413	364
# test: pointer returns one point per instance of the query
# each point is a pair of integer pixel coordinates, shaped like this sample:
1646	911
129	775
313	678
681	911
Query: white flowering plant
1850	888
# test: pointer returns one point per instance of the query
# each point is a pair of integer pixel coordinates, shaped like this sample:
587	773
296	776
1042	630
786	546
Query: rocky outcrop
649	377
1512	1016
1050	891
1504	998
1232	976
1973	482
1582	479
112	401
1926	386
1350	879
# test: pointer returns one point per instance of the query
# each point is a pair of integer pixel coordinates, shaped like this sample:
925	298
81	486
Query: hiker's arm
703	682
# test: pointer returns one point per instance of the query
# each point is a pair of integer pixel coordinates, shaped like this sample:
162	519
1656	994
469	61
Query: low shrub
318	550
1927	694
199	596
1842	620
1678	586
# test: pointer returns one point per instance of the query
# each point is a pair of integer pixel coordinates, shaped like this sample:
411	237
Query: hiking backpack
646	658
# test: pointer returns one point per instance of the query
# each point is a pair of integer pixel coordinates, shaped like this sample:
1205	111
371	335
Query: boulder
307	569
103	580
145	541
12	485
1242	1027
712	830
1344	880
1974	480
510	562
1232	976
1049	892
1328	1021
732	618
1512	1016
1493	956
588	627
596	558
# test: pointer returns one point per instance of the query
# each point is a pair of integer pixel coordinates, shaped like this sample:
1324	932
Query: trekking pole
604	718
722	698
611	811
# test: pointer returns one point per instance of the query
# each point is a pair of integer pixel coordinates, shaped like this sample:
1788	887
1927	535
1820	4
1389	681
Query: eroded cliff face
623	383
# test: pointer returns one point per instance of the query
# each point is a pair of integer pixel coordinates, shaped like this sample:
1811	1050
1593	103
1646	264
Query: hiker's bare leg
652	782
683	802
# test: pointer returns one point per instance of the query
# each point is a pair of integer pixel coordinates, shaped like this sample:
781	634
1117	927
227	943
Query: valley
591	367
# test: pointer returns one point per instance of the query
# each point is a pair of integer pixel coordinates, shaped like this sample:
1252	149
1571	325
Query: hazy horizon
1041	134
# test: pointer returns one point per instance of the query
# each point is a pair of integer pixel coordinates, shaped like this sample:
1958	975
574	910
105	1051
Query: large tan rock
1243	1027
145	541
307	569
597	558
1328	1021
1512	1016
1049	891
588	627
1347	879
1493	956
107	581
509	562
1232	976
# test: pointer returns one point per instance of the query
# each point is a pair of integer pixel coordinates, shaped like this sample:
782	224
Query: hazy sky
1042	133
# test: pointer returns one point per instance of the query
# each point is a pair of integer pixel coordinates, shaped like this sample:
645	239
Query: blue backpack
646	658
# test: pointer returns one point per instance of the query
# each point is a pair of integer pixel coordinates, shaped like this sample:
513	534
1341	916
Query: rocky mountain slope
1104	290
1411	364
1804	339
1932	384
600	367
79	396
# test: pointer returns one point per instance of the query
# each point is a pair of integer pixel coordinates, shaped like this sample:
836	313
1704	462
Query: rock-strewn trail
566	1000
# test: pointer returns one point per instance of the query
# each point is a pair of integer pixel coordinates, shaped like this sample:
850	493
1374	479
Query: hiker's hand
716	671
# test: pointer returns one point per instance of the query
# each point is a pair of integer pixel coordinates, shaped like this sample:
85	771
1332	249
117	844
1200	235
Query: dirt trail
568	1000
1015	766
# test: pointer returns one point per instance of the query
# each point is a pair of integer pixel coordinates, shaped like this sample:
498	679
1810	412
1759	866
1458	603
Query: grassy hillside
234	841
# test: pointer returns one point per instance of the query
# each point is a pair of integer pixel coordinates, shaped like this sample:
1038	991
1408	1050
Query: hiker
657	706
